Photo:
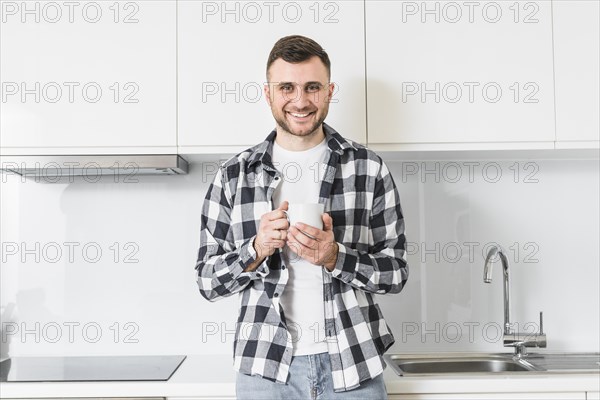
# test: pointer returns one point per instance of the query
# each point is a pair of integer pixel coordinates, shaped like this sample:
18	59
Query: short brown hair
296	49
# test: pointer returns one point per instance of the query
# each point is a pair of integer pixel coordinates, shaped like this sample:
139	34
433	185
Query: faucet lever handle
541	323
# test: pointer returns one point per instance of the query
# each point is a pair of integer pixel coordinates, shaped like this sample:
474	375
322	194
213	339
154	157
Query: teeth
299	115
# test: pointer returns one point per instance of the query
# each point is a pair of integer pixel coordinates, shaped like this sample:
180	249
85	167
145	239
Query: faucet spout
520	341
494	253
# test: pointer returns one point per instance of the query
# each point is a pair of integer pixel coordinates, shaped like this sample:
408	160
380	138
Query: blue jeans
310	379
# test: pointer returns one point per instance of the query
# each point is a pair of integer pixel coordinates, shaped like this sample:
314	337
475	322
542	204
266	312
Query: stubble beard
282	123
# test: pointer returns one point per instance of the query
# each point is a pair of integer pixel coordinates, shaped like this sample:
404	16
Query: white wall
549	226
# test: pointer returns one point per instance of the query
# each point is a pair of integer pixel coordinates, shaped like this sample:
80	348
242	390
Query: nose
302	98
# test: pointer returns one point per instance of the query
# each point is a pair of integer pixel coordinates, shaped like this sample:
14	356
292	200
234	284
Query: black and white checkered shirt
361	197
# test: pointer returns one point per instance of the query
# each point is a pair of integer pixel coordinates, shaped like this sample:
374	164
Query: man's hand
272	233
322	250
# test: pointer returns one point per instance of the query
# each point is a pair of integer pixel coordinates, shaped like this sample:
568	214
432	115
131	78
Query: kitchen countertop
210	376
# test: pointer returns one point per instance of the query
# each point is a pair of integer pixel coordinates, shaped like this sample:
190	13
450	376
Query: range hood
94	165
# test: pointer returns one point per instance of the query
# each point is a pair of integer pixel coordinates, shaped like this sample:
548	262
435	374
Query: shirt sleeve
383	269
221	261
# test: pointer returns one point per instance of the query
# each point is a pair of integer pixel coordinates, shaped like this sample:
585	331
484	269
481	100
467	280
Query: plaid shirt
361	197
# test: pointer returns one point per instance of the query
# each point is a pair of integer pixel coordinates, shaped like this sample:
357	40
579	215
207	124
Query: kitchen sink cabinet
492	396
459	75
202	398
576	55
222	56
88	77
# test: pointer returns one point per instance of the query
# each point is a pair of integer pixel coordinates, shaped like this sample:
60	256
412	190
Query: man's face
299	95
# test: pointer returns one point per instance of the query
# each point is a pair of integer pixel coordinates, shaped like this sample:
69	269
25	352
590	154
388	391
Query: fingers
304	247
278	234
270	239
268	248
315	252
272	232
278	213
309	230
275	215
301	238
278	244
327	222
278	224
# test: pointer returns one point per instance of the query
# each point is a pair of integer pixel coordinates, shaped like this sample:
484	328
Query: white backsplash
115	269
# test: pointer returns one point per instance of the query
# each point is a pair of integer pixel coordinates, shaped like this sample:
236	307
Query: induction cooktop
89	368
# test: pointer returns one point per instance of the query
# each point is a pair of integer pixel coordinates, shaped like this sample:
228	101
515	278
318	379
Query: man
308	325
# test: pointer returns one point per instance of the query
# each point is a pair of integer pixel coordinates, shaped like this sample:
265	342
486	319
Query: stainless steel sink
566	362
456	363
479	363
459	366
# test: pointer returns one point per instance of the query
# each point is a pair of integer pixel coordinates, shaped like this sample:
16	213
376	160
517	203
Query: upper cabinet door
88	77
460	72
576	55
222	56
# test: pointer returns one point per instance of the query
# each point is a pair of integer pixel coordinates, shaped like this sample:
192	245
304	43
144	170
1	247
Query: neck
299	143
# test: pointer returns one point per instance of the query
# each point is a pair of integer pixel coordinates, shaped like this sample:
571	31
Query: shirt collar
263	152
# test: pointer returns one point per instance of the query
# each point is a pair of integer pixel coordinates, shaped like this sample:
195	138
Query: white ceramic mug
307	213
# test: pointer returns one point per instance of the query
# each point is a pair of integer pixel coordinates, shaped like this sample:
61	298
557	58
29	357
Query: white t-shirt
302	299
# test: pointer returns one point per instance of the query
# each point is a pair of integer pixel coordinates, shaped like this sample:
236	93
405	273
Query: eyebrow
294	83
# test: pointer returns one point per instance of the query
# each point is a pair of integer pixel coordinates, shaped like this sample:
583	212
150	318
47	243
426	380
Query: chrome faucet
519	340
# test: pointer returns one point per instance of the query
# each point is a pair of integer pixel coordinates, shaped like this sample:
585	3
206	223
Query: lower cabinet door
491	396
202	398
129	398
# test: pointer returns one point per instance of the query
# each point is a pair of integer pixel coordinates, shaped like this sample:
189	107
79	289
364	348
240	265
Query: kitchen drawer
94	398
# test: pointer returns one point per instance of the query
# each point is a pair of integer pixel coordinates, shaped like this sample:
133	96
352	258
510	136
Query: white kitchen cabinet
491	396
88	77
222	55
459	75
202	398
592	395
576	58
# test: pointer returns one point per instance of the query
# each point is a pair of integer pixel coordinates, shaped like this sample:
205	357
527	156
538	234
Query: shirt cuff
345	266
247	257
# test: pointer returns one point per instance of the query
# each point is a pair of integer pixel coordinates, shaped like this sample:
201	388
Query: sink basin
456	364
475	363
566	362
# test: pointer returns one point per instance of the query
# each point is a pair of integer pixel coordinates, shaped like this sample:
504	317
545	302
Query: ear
330	91
267	90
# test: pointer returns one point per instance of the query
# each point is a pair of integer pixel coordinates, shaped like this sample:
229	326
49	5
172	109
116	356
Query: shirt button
276	178
283	267
276	295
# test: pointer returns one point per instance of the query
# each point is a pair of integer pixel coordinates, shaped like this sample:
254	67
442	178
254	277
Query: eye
287	88
313	87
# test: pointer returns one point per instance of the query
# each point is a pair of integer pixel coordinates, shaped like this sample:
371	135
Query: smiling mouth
300	115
